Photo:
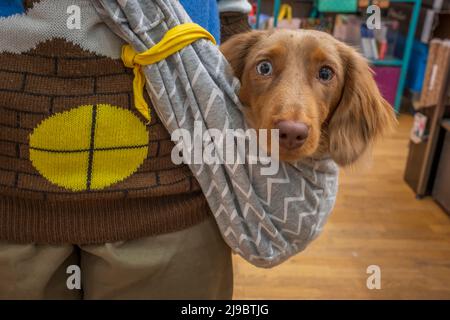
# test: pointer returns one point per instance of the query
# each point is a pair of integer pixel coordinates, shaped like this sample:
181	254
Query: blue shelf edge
387	62
403	63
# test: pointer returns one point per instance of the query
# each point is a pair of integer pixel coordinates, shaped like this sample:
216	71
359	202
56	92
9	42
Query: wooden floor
376	221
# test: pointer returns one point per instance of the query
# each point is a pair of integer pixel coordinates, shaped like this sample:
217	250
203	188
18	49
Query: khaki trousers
194	263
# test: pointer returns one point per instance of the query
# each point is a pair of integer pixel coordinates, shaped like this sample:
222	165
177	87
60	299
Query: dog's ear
362	114
237	47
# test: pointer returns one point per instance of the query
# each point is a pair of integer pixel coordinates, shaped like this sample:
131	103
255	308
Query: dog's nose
292	134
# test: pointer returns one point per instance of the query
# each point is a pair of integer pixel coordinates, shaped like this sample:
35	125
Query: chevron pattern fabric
266	219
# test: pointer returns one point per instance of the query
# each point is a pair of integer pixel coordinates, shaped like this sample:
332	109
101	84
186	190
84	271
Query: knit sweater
10	7
78	164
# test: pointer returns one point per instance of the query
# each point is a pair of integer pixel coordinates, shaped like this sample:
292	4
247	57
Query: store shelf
446	124
388	62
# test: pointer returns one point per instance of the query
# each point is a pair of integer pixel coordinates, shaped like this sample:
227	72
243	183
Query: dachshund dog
319	92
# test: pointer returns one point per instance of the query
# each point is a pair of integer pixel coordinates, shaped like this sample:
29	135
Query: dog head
319	93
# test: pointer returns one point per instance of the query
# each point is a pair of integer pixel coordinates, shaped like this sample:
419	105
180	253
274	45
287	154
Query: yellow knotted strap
174	40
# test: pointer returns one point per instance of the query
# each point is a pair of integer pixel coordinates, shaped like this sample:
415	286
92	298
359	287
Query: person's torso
68	127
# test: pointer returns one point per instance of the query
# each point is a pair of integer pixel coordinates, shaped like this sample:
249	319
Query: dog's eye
264	68
326	74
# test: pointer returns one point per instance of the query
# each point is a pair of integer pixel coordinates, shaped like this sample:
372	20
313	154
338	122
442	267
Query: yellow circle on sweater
89	147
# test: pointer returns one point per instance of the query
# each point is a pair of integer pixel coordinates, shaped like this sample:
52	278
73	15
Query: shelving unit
402	63
423	157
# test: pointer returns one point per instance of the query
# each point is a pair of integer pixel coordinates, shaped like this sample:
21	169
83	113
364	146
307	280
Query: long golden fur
345	115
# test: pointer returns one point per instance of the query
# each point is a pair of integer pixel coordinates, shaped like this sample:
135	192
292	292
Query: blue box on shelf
417	64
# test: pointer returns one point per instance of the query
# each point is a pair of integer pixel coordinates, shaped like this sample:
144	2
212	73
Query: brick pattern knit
78	163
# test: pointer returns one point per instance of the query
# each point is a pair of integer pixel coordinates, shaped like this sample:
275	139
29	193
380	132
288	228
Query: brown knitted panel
59	76
93	222
232	23
28	4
